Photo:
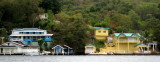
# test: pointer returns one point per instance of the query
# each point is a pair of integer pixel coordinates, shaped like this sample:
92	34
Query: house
17	48
62	49
100	33
30	36
90	48
43	16
122	43
153	45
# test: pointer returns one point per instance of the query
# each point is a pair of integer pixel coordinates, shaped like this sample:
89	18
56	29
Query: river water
81	58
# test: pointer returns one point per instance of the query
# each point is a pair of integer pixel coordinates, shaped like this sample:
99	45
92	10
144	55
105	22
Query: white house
30	36
16	48
43	16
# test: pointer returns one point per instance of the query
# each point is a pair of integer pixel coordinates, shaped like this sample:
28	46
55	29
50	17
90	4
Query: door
89	50
1	50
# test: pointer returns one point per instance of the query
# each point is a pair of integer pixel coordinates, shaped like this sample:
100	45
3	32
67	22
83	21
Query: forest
71	21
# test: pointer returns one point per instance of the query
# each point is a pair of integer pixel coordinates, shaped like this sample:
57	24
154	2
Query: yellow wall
124	46
101	33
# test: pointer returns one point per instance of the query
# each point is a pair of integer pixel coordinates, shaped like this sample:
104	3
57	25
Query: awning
140	45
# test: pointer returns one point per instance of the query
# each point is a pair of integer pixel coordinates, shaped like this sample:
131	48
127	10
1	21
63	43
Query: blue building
62	49
30	36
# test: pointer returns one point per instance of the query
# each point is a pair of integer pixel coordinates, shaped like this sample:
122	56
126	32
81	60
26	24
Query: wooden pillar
128	44
68	51
4	51
118	44
63	51
54	51
10	51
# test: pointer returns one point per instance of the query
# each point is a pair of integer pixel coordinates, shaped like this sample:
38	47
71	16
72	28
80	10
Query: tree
122	20
156	35
73	31
53	5
135	19
19	13
45	46
40	43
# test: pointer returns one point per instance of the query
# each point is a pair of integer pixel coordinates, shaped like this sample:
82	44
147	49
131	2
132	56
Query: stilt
153	47
68	51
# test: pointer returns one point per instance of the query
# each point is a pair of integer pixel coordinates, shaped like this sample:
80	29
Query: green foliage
156	33
71	20
3	32
72	31
45	46
99	44
40	43
19	13
53	5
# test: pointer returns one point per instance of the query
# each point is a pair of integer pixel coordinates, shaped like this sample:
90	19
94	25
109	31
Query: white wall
30	50
89	50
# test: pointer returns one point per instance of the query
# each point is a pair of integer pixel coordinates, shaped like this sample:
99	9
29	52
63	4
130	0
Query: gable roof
12	44
127	34
101	28
61	46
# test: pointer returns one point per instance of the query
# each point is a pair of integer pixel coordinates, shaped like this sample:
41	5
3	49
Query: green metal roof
127	34
90	45
101	28
140	45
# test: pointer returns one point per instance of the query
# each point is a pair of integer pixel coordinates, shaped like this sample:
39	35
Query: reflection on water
101	58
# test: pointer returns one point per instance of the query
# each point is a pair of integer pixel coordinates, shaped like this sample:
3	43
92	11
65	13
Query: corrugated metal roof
127	34
140	45
101	28
24	29
90	45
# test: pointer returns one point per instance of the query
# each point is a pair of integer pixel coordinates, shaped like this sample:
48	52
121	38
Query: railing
127	41
15	39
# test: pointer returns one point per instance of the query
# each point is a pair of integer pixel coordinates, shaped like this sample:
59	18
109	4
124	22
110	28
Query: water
85	58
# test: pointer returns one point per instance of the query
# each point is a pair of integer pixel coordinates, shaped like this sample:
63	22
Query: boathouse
90	48
62	49
17	48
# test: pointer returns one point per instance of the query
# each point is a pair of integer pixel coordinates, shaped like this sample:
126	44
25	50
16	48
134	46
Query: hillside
76	18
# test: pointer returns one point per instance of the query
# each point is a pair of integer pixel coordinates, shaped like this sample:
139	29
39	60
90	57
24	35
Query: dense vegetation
71	20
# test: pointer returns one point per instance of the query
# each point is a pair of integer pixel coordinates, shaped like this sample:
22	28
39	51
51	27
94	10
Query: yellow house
122	43
100	33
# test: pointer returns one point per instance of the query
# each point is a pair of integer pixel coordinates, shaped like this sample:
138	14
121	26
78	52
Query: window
131	39
27	37
27	32
20	32
47	36
40	32
24	37
37	32
104	31
34	32
24	32
99	31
